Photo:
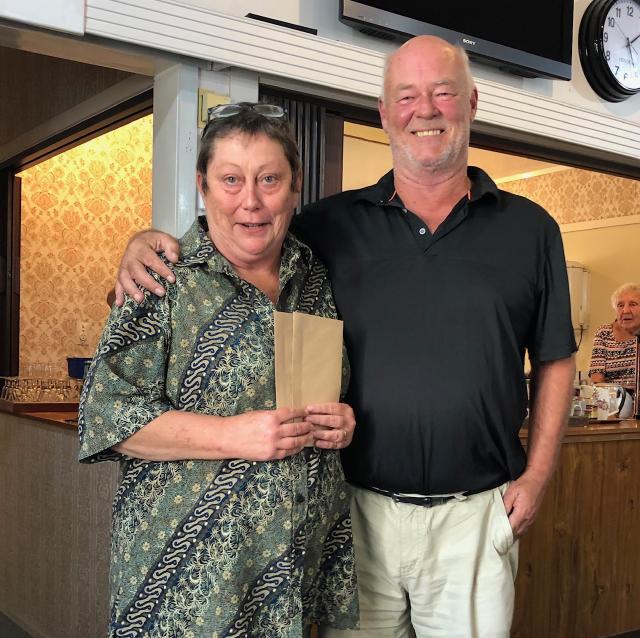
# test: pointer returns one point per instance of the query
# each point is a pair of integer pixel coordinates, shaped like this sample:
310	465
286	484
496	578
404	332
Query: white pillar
175	96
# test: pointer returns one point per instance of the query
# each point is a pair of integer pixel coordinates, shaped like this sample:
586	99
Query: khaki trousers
441	572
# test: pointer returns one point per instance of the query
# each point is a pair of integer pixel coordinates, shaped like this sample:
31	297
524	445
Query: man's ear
383	113
473	99
297	182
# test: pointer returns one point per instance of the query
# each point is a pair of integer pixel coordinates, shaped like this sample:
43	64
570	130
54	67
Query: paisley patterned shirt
216	548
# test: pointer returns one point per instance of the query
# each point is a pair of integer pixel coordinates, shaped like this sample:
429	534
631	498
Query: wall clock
609	46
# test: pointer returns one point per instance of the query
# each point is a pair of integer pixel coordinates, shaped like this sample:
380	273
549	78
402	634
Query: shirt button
422	231
300	498
404	210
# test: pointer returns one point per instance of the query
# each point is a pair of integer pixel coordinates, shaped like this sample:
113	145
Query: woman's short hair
252	123
621	290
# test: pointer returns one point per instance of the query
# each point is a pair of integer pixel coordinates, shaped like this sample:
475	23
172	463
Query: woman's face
249	199
628	311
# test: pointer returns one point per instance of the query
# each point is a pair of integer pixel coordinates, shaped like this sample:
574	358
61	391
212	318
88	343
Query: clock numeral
617	69
605	37
618	12
630	12
611	22
607	55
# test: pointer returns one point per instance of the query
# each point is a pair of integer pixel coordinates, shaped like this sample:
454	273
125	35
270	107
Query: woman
224	523
613	358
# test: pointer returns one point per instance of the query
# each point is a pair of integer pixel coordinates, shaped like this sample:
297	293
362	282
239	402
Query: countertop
575	432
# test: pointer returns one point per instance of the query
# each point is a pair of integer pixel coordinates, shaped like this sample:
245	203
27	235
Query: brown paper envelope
308	353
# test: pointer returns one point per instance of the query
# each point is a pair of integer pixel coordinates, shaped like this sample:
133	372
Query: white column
175	96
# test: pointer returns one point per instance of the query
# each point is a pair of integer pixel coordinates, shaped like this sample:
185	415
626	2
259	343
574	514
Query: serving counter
55	528
579	568
579	573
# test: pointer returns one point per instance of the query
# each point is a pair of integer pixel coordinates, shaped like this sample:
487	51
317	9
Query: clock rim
591	50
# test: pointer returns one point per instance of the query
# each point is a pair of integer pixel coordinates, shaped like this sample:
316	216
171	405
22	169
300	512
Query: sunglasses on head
229	110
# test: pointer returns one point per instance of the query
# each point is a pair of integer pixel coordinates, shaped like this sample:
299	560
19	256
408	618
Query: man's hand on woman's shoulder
142	253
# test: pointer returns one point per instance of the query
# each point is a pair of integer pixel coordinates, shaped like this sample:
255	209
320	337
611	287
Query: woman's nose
251	197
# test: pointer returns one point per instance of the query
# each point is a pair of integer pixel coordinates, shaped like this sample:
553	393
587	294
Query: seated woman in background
614	346
224	523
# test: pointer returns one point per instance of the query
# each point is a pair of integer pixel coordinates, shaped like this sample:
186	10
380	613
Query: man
443	282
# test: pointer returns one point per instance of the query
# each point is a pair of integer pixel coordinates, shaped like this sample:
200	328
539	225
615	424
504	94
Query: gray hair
618	292
462	54
251	123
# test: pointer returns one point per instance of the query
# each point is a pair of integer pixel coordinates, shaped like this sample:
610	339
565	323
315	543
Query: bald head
426	45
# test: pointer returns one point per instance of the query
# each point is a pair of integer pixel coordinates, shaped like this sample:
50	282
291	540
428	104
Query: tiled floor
9	629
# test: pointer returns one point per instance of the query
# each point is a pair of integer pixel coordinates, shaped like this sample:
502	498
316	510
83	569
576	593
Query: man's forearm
552	383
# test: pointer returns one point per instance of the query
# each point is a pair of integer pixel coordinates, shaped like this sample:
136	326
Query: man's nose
425	106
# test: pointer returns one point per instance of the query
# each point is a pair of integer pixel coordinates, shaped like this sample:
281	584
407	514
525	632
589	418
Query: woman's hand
266	435
141	252
333	424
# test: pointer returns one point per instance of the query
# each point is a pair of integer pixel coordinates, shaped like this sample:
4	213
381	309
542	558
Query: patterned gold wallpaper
576	195
78	210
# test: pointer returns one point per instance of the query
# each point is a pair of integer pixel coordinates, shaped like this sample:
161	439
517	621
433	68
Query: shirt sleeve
553	337
598	353
125	385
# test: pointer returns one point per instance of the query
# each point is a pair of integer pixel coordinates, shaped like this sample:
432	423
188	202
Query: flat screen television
529	38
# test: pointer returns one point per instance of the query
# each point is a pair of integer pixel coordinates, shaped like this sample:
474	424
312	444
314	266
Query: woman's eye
231	180
270	179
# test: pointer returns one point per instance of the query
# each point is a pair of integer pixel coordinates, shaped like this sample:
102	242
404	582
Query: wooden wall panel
35	88
579	573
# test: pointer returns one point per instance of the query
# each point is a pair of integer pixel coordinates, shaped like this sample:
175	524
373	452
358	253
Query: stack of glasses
40	389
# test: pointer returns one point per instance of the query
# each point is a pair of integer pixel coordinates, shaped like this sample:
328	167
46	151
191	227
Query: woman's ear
201	183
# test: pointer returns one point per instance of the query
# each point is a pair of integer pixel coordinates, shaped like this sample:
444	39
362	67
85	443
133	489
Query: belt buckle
428	501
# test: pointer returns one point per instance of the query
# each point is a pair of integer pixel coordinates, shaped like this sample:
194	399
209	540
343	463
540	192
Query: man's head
429	101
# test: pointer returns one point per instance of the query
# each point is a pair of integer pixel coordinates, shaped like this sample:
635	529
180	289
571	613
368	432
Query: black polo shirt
436	328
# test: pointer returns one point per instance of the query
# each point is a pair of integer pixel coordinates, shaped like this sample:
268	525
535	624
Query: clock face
609	47
621	42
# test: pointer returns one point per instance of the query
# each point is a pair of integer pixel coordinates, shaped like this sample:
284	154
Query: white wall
62	15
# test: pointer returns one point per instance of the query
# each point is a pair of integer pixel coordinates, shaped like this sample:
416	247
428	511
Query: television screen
528	38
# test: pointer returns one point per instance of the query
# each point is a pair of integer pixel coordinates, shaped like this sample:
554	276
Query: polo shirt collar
384	192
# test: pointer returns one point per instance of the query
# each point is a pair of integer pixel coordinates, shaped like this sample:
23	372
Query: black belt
424	501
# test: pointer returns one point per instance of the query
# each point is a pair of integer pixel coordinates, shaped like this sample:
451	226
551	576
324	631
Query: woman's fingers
333	423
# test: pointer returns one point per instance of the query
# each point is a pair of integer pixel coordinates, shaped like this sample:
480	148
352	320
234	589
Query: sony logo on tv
467	41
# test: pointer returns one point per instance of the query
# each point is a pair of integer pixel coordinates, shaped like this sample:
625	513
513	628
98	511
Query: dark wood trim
334	145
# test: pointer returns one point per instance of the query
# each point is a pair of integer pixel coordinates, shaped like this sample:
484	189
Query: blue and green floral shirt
228	547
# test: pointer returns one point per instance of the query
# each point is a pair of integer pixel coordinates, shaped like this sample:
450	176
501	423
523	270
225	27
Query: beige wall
78	210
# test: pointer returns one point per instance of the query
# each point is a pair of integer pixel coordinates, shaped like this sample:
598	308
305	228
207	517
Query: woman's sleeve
598	353
125	385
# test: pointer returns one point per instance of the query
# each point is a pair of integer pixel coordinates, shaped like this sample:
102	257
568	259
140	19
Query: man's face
428	106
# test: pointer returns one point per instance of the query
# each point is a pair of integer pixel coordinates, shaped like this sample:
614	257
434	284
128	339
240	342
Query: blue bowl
78	366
